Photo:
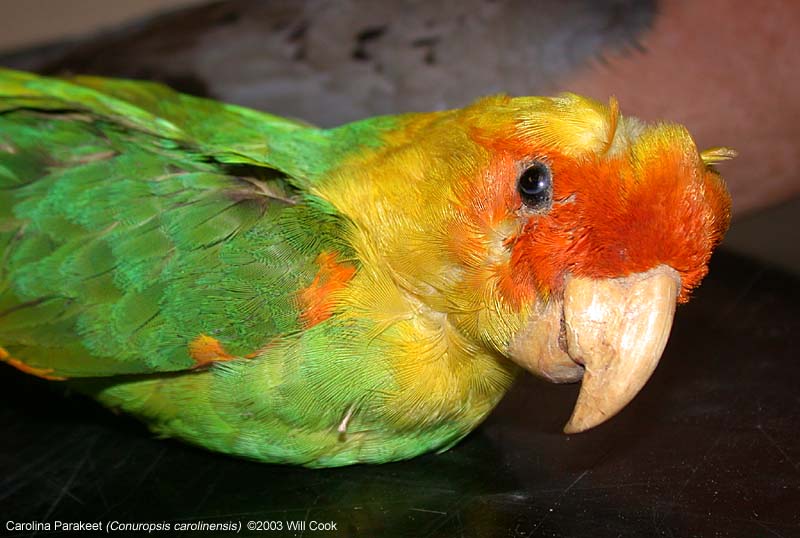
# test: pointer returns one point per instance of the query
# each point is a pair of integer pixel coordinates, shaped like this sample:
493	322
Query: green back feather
134	219
139	218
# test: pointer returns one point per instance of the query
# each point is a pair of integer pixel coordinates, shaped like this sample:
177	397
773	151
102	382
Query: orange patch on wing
315	301
206	350
44	373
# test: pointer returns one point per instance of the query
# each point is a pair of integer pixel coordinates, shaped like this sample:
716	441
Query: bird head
607	223
553	231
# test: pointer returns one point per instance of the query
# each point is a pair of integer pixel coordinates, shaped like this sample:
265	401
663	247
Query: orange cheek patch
44	373
490	208
494	199
621	222
515	289
316	302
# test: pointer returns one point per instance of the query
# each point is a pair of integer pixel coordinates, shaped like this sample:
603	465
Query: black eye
535	186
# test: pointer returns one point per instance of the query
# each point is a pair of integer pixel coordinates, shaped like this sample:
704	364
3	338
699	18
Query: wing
142	230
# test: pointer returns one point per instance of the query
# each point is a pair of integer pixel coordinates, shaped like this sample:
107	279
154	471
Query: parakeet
361	294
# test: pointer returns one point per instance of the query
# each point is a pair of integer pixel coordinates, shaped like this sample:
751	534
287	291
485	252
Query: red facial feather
609	221
612	215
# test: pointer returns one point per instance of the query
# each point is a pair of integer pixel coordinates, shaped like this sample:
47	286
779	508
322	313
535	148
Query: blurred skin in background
727	69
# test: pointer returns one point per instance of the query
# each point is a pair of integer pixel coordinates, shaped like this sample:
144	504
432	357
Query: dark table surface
711	447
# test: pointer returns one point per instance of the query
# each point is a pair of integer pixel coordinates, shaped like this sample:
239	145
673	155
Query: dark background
709	448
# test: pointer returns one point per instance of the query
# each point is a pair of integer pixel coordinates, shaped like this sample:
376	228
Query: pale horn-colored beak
610	332
617	328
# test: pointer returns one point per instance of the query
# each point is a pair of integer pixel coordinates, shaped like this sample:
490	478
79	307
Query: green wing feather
134	219
139	218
